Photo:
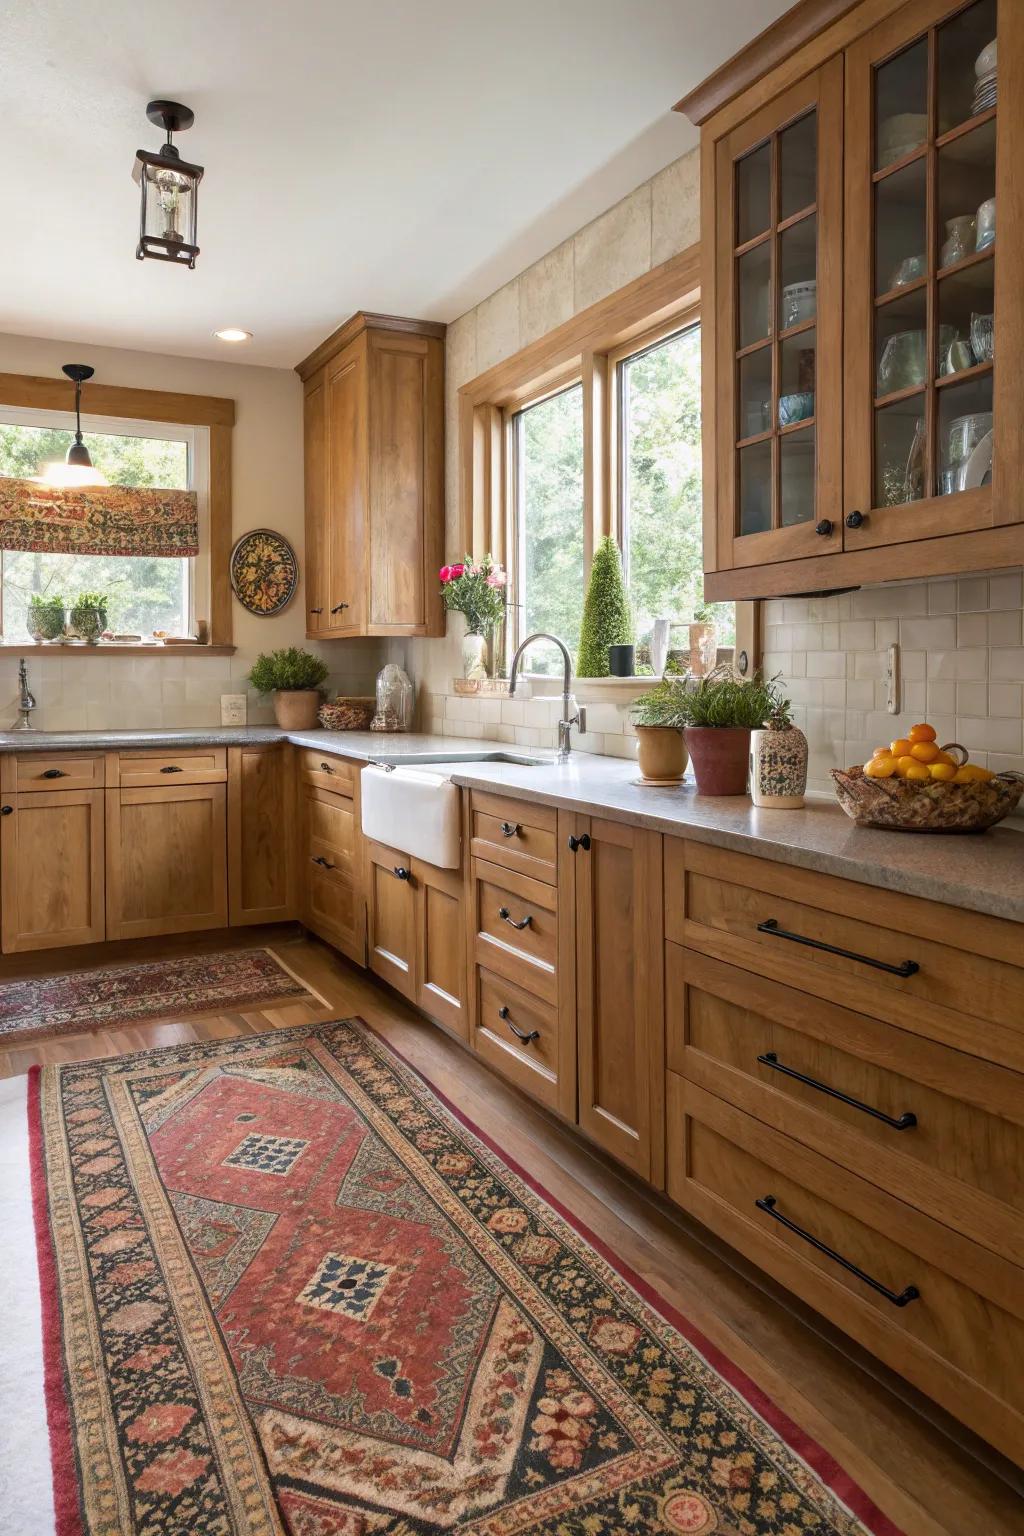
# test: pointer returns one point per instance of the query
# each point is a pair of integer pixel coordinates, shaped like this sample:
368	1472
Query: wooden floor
927	1482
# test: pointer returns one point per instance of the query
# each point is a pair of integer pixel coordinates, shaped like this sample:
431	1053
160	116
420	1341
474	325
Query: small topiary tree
607	619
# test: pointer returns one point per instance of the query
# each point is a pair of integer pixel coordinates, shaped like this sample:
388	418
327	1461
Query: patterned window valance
97	519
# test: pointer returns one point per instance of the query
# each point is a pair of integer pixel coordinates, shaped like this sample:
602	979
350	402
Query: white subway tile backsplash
1004	699
942	597
928	634
858	635
1005	591
890	602
1008	664
972	594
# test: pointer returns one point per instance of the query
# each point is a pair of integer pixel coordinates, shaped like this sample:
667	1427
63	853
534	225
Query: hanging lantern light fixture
77	468
169	188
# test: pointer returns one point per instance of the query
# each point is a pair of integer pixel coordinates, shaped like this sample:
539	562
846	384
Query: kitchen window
145	593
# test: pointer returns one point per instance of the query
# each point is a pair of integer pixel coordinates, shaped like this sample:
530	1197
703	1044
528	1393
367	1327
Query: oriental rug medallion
287	1290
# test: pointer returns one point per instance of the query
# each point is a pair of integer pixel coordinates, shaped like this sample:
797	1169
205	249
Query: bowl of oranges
914	785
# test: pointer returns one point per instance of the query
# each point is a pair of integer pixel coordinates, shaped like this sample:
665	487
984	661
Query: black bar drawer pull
507	917
510	828
767	1204
324	863
905	967
520	1034
903	1123
172	768
54	773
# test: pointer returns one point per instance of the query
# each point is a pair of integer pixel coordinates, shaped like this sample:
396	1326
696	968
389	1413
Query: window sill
30	648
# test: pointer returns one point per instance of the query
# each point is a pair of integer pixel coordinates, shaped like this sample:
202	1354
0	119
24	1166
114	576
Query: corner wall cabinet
862	320
374	476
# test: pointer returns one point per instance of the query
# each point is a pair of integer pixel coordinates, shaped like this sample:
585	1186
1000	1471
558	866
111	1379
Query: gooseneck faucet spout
26	700
572	713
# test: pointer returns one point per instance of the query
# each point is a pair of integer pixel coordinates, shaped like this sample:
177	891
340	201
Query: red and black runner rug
286	1290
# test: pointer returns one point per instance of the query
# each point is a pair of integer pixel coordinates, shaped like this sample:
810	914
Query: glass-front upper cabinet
927	296
779	337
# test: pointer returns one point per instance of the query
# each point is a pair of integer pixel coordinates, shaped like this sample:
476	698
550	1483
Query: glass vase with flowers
476	589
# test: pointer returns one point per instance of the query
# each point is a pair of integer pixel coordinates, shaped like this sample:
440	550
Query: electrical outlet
232	709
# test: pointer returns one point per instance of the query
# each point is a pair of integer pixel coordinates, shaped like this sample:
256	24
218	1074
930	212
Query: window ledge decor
98	520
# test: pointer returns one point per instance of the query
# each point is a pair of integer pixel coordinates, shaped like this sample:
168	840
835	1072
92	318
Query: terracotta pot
719	755
296	709
661	753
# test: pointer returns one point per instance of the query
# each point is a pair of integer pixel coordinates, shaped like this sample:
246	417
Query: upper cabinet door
774	391
314	444
933	446
344	542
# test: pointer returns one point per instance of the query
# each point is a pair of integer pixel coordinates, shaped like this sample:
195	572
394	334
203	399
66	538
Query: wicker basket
904	805
347	714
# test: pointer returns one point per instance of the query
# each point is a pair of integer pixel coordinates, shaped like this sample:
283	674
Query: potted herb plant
476	589
46	617
658	719
89	616
293	676
719	713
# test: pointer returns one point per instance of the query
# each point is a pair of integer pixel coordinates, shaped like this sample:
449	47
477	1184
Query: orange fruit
905	763
921	733
900	747
946	757
973	773
944	772
880	767
924	751
882	752
917	771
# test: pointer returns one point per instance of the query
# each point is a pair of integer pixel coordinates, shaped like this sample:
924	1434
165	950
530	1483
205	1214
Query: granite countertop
982	874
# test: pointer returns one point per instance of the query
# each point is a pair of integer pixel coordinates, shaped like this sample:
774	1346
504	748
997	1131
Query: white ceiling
407	156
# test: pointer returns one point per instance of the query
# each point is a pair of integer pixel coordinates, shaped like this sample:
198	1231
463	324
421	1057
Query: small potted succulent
719	712
89	616
476	589
294	677
46	617
778	761
658	718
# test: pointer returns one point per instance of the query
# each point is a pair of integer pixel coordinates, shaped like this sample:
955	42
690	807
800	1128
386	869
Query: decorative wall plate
264	572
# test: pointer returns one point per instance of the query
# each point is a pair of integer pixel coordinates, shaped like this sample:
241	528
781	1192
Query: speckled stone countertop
982	874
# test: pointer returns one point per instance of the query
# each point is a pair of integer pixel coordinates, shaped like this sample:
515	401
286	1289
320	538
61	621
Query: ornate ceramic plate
264	572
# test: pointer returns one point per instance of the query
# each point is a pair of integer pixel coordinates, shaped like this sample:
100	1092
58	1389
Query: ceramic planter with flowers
476	589
720	711
293	677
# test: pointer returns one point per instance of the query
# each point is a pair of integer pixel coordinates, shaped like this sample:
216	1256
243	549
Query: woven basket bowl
347	714
901	805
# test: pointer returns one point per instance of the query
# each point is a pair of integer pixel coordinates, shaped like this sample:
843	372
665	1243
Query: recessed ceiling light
233	333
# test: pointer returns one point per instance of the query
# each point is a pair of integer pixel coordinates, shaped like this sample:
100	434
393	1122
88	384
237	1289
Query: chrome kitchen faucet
572	713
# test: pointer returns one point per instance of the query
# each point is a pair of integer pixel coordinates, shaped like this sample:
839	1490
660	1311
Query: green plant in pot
294	677
719	713
89	616
658	718
46	617
607	619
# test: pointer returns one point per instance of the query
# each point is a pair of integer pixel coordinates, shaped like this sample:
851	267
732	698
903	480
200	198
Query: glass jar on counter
394	700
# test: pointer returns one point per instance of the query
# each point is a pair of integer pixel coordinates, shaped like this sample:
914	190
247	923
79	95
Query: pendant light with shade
169	187
77	468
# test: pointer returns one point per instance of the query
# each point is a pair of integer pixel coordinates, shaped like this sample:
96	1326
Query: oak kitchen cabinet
261	834
416	927
52	869
374	475
333	902
839	424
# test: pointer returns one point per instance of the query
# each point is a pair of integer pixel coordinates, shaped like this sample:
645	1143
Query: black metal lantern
167	220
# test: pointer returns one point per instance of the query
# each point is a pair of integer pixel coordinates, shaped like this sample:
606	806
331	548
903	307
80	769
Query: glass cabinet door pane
901	238
901	344
755	476
899	453
753	194
901	104
755	393
797	360
796	477
753	282
798	166
965	436
967	64
967	185
798	270
966	311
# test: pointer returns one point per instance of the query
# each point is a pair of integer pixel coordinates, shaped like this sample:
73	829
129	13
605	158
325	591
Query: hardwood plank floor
913	1461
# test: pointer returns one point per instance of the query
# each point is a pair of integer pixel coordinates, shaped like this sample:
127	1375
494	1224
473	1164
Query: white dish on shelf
985	63
979	466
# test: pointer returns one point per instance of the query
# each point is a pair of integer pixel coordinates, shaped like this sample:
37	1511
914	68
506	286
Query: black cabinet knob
316	610
855	519
400	872
510	829
824	528
5	810
575	843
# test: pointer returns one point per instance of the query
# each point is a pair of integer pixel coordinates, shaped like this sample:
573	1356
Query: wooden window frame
29	392
588	350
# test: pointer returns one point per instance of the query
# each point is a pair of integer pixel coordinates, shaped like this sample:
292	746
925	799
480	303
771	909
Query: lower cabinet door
51	852
392	917
261	837
166	860
441	945
620	1028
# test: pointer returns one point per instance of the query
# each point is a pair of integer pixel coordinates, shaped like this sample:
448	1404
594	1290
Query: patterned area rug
127	994
286	1290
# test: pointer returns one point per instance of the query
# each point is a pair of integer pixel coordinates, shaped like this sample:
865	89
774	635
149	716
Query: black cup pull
520	1034
583	841
400	872
506	917
824	528
510	828
54	773
172	768
855	519
324	863
903	1123
768	1204
905	967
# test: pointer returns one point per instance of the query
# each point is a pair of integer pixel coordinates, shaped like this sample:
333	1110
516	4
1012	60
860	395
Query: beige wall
657	220
78	693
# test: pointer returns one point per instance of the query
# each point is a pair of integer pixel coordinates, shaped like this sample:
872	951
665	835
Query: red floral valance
97	519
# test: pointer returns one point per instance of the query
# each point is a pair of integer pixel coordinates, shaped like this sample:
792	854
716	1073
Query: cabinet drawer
33	771
942	1130
516	927
516	834
335	910
951	1322
335	773
502	1009
932	970
331	826
145	770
